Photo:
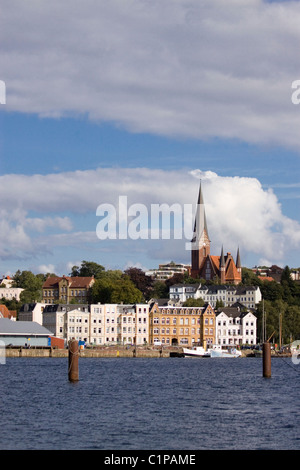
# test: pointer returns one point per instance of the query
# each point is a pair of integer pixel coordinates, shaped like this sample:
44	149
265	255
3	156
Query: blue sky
143	101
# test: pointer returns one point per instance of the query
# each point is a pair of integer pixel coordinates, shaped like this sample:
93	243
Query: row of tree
281	304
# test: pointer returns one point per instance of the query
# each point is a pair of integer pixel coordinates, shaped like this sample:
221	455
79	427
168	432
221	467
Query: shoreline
110	351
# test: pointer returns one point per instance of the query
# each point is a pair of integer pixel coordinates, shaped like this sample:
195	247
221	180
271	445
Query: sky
111	109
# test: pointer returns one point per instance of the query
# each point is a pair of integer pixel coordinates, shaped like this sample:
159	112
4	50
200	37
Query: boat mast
280	329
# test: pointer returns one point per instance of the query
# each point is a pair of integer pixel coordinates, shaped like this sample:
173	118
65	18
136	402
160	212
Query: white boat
219	352
195	351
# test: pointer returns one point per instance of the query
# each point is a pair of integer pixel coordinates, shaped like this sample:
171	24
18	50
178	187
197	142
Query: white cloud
239	213
45	269
199	68
39	224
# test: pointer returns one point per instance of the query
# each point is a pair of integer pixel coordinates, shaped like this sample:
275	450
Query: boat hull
217	353
195	352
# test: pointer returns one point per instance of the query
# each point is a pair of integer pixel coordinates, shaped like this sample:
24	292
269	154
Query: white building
165	271
182	292
249	296
235	326
119	324
68	321
99	324
32	312
10	293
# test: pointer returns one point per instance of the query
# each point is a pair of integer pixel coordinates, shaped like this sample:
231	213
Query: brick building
66	289
183	326
211	267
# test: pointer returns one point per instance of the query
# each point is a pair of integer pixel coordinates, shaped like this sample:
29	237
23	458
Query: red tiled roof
266	278
5	313
51	281
231	272
75	282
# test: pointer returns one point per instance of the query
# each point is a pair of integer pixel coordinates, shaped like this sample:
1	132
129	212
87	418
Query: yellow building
182	326
66	289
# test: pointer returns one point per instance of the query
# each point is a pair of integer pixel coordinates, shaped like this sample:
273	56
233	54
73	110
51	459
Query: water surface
137	403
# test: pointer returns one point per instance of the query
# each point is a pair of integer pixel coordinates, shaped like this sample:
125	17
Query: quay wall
89	352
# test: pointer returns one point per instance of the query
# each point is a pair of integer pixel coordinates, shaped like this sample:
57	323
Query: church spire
200	224
222	259
222	267
238	259
200	240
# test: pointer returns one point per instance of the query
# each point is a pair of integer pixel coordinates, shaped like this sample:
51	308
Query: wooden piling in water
73	360
266	360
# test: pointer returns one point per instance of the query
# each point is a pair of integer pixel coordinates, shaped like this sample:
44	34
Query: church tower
200	240
205	265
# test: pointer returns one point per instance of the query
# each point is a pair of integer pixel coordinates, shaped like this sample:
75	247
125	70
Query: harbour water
142	404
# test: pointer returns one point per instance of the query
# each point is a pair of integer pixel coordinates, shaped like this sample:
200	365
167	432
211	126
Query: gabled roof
50	308
194	286
6	313
234	312
74	282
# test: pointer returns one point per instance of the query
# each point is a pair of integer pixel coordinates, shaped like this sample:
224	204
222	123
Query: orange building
183	326
206	266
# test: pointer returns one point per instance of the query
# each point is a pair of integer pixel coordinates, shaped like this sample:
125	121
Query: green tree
87	269
177	278
278	313
219	304
160	290
193	303
32	285
108	289
12	304
141	281
249	278
271	290
291	323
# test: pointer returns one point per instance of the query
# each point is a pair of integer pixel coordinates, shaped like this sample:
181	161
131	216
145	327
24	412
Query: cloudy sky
142	99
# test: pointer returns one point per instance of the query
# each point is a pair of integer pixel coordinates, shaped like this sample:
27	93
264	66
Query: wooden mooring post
267	359
73	360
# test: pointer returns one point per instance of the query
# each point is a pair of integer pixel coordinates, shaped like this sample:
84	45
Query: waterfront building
134	324
67	321
99	324
236	325
23	333
119	324
183	326
249	296
207	266
67	289
32	312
